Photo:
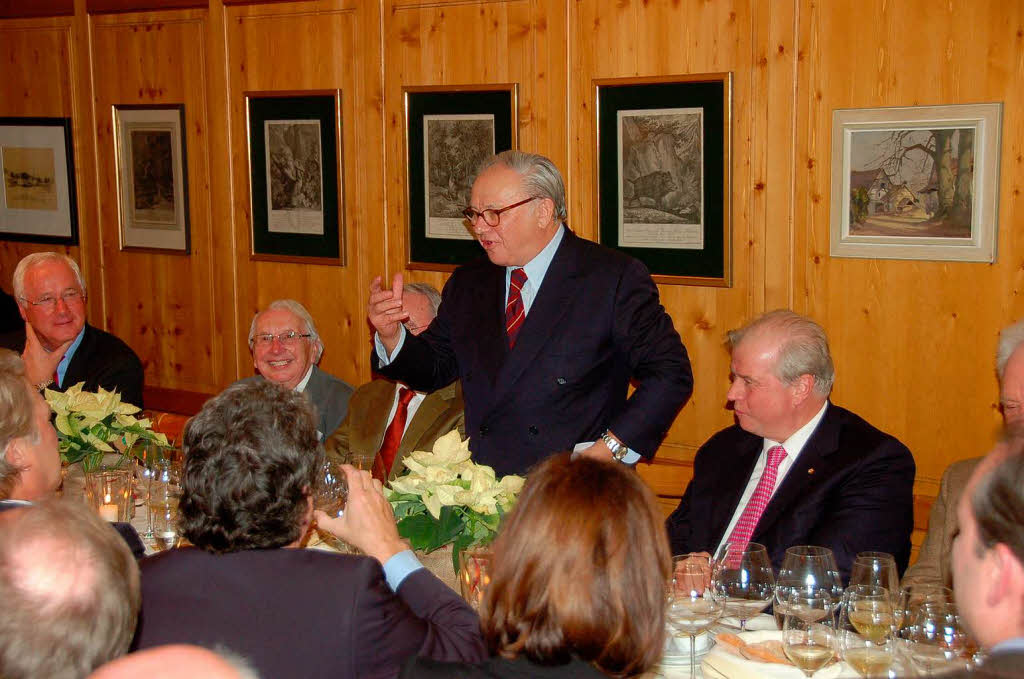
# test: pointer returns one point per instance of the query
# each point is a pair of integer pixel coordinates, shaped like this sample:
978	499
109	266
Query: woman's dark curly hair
251	460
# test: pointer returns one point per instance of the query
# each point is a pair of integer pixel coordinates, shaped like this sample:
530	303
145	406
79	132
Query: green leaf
404	509
421	530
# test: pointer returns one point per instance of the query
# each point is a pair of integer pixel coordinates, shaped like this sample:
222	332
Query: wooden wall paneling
163	305
330	45
459	43
913	340
37	71
621	39
12	9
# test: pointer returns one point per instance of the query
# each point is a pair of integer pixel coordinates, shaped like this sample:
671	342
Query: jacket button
560	380
484	429
533	430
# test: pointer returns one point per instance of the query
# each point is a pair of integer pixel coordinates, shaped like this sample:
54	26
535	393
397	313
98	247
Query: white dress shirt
793	445
414	405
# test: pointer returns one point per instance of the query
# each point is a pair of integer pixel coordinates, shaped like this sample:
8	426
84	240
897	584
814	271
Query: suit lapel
553	301
822	442
76	366
731	484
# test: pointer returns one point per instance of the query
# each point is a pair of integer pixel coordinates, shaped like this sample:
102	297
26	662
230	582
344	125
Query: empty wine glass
937	641
912	597
743	579
810	645
693	605
810	572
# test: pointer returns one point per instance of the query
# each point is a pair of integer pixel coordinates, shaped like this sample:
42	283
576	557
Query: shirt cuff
382	353
399	567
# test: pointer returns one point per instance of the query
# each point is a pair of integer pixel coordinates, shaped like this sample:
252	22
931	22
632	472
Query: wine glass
809	571
875	568
865	629
912	597
164	493
331	489
937	639
743	579
693	605
810	645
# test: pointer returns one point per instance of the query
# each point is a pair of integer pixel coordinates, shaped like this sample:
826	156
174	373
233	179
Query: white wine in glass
809	645
869	661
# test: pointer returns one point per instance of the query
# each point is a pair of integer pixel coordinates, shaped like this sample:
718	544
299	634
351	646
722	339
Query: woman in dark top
578	588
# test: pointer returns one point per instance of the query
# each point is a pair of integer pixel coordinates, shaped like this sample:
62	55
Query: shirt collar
537	267
62	367
301	386
1007	645
796	442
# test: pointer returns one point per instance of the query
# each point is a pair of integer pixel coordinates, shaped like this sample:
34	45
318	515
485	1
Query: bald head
174	662
67	581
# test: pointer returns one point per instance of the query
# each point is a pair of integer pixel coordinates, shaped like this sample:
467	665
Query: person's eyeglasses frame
285	338
49	304
472	215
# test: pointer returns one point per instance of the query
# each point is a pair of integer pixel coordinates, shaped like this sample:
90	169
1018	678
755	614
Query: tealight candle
108	512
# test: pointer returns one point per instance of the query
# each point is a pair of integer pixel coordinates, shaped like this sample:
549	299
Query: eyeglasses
492	217
49	303
288	339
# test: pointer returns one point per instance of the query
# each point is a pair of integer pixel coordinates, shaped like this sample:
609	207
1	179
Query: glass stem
693	646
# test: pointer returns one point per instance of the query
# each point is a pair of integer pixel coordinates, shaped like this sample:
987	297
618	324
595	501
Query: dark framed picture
663	174
449	131
916	182
152	178
296	184
38	201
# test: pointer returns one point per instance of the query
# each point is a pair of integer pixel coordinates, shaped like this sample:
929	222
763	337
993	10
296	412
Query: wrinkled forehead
496	185
50	276
279	320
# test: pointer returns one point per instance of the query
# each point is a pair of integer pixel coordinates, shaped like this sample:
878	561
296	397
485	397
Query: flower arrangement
90	425
447	498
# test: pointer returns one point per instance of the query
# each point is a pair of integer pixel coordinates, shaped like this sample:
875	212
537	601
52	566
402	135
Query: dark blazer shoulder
498	668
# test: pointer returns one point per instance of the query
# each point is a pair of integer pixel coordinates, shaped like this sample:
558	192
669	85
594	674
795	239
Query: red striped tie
385	459
744	528
515	312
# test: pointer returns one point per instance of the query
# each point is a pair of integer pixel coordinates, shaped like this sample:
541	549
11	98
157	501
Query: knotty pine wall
913	341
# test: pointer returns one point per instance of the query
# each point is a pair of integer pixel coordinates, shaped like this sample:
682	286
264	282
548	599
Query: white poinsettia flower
512	484
407	485
446	494
433	505
451	449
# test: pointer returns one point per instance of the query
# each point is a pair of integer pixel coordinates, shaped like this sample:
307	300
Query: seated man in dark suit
795	469
988	557
61	349
251	461
286	349
70	592
387	421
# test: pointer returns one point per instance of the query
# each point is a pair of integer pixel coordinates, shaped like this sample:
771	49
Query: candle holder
108	492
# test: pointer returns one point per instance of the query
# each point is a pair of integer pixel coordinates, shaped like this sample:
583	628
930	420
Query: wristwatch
618	450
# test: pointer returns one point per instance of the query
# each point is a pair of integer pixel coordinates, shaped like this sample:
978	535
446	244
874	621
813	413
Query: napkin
724	663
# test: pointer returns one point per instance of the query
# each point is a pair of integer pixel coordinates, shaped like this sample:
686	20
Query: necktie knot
776	455
518	278
405	395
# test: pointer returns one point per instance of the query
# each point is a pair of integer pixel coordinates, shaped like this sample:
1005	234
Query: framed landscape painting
295	177
919	182
664	156
152	177
38	201
449	132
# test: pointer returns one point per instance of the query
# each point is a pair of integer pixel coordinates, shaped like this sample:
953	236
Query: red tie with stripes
393	436
744	528
515	312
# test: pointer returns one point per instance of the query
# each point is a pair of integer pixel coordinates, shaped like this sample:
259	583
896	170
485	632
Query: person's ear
1004	575
801	388
545	212
16	455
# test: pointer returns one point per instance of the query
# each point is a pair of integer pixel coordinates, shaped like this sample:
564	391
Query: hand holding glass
744	579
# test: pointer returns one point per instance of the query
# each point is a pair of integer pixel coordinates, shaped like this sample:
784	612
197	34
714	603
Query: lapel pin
810	471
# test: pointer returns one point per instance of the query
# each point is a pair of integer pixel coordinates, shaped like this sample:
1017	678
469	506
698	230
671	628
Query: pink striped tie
744	528
515	312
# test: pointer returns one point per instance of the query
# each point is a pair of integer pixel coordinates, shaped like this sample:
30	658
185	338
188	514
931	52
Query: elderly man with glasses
546	332
286	349
61	349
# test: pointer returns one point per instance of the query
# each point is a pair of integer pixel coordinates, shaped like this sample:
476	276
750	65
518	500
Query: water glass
164	494
693	605
810	572
331	489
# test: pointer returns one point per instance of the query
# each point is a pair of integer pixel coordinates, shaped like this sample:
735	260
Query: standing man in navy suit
795	469
545	333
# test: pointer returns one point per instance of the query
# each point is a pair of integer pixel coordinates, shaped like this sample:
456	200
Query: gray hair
1010	338
428	291
300	311
68	582
540	176
36	258
16	420
803	352
997	502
